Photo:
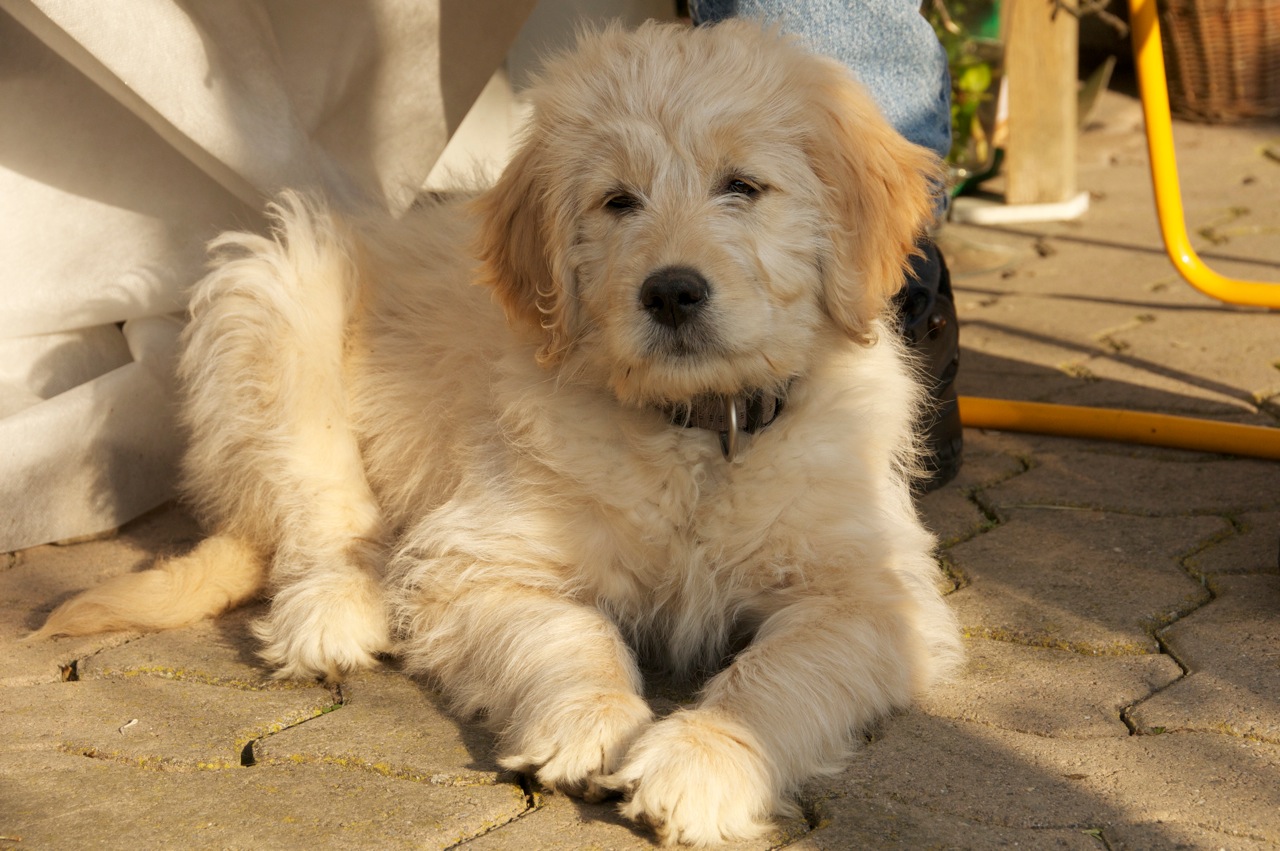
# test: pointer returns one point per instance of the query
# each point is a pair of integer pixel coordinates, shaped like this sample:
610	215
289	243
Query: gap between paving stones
533	802
248	751
993	520
250	759
1237	528
249	748
1162	621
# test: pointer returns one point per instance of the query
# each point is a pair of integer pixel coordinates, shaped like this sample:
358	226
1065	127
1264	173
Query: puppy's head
693	210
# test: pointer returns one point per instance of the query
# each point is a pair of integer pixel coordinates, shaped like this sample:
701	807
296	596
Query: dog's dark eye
621	202
740	186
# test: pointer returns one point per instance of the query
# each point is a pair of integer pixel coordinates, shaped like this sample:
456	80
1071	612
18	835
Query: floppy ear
518	259
881	195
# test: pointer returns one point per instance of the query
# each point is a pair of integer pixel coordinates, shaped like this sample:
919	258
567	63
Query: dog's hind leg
273	457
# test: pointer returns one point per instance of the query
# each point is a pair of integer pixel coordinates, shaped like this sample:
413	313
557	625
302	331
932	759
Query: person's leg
893	51
888	45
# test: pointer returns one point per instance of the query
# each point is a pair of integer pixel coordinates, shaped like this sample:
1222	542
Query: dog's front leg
552	675
783	711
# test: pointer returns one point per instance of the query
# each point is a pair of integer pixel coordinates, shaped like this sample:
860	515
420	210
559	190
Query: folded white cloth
136	130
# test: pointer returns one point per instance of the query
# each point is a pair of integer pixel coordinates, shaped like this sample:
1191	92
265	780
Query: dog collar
729	416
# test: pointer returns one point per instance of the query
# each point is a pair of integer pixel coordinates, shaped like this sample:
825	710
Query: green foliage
968	31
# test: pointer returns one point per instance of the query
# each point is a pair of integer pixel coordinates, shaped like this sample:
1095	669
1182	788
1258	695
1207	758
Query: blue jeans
887	44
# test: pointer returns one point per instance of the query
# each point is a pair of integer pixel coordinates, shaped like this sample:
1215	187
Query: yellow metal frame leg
1153	85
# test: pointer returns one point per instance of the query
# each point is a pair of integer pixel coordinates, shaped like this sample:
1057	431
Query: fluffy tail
221	573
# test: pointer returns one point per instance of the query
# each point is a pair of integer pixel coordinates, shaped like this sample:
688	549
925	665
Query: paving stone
1231	648
1048	692
39	578
560	822
1253	548
221	651
1177	837
1115	481
990	776
998	373
951	515
949	512
1130	381
150	721
1058	320
54	800
1240	355
1081	580
1004	362
883	823
394	725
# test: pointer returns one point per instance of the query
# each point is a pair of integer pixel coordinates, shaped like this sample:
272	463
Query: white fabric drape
131	132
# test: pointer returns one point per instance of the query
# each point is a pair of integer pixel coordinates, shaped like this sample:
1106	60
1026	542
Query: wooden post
1040	64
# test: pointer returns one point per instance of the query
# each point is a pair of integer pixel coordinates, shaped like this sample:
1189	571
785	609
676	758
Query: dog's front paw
570	748
697	778
325	629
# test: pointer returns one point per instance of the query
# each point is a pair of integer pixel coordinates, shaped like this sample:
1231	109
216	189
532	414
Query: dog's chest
692	527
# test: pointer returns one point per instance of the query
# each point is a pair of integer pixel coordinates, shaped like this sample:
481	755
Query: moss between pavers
383	769
280	726
195	676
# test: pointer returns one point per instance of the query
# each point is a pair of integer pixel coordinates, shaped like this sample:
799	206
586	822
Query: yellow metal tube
1122	426
1149	58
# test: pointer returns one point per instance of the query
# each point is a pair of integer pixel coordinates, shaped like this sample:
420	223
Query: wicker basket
1222	58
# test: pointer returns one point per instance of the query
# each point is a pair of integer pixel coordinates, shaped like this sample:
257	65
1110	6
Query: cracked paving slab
41	577
45	801
393	725
1231	648
150	721
996	376
949	512
1174	342
1252	547
1048	692
991	776
1088	581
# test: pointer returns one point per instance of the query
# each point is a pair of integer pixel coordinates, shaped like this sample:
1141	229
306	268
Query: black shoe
927	321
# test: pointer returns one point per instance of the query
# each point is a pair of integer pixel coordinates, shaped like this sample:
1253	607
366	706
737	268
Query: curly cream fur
497	485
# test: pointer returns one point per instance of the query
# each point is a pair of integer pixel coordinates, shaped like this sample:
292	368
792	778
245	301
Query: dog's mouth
686	345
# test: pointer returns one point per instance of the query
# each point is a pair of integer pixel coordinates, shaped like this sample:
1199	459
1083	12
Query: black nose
674	295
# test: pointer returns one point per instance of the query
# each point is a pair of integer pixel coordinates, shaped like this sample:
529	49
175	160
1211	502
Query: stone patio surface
1121	606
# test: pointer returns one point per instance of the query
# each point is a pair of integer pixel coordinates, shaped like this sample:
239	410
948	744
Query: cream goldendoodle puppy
669	421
